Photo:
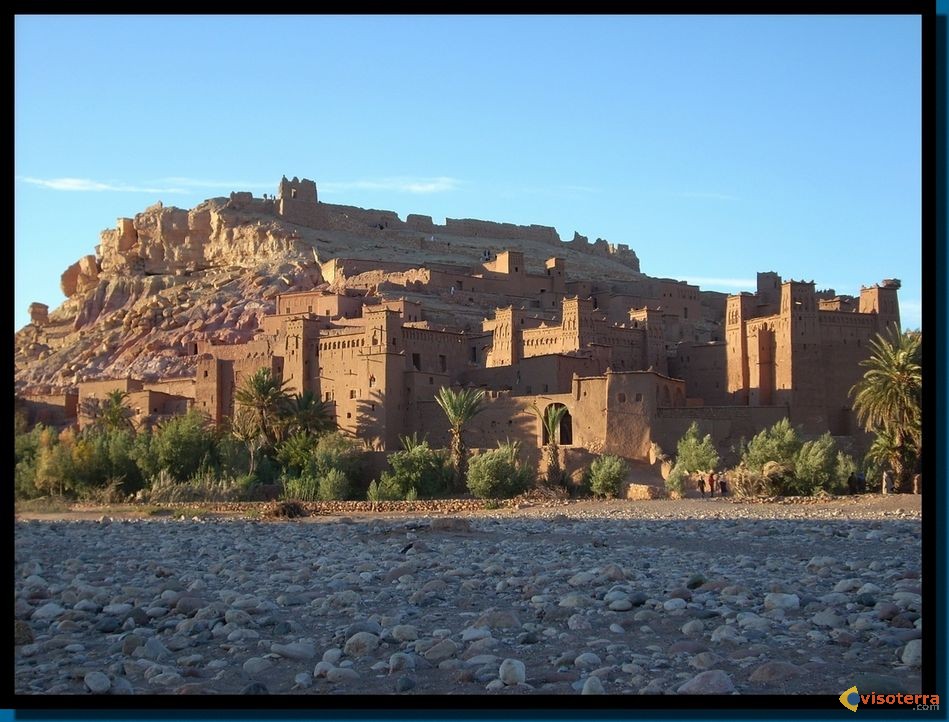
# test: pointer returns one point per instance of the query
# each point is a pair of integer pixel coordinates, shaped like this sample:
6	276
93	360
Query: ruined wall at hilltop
163	240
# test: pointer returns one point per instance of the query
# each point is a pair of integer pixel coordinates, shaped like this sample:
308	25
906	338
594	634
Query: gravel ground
654	597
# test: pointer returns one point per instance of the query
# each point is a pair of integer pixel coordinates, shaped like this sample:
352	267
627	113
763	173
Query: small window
417	361
349	415
621	397
442	362
372	380
393	340
352	393
431	381
326	396
639	397
205	373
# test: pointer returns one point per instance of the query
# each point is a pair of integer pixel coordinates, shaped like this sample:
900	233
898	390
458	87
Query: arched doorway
564	430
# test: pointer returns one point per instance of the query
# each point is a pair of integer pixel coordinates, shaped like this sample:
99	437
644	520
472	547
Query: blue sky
713	146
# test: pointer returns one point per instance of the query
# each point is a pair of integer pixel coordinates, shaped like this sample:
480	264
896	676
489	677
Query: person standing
722	486
702	485
887	482
711	484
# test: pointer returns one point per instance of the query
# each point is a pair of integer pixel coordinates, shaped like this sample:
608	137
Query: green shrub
676	481
815	467
334	486
694	453
606	474
386	489
301	488
419	467
844	468
335	451
180	446
495	475
779	444
746	484
412	495
26	449
205	486
295	453
233	458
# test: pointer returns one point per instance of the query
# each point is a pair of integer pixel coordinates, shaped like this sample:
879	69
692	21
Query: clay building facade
785	347
633	361
378	364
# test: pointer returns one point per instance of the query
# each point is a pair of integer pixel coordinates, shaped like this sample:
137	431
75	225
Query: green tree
550	420
25	451
418	467
460	407
180	446
888	399
606	474
306	413
110	413
267	405
694	453
779	444
815	466
497	474
295	452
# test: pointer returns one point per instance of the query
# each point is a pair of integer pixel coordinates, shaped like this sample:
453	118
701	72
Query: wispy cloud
88	185
747	284
440	184
161	185
707	196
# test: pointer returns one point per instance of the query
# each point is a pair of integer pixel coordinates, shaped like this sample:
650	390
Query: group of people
711	481
856	483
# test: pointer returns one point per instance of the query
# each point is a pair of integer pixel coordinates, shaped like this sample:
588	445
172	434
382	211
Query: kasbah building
630	369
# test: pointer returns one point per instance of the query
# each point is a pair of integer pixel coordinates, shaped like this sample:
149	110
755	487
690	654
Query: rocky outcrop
168	278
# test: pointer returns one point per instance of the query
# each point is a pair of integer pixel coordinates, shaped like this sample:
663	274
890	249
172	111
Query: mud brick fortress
633	360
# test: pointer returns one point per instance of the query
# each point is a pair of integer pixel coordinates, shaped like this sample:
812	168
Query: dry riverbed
557	597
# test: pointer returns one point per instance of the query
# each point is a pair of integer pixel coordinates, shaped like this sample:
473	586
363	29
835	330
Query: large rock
714	681
512	672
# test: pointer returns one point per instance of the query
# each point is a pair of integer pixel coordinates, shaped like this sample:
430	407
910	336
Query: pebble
714	681
361	644
512	672
296	650
593	685
913	653
161	606
97	682
256	665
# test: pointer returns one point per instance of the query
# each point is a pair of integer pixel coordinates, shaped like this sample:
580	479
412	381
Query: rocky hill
167	278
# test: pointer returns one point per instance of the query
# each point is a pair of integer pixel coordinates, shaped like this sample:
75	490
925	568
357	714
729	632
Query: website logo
850	699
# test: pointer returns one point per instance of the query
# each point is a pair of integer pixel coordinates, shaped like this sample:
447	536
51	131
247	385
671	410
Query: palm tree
306	413
245	429
550	420
110	413
888	399
460	407
266	401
